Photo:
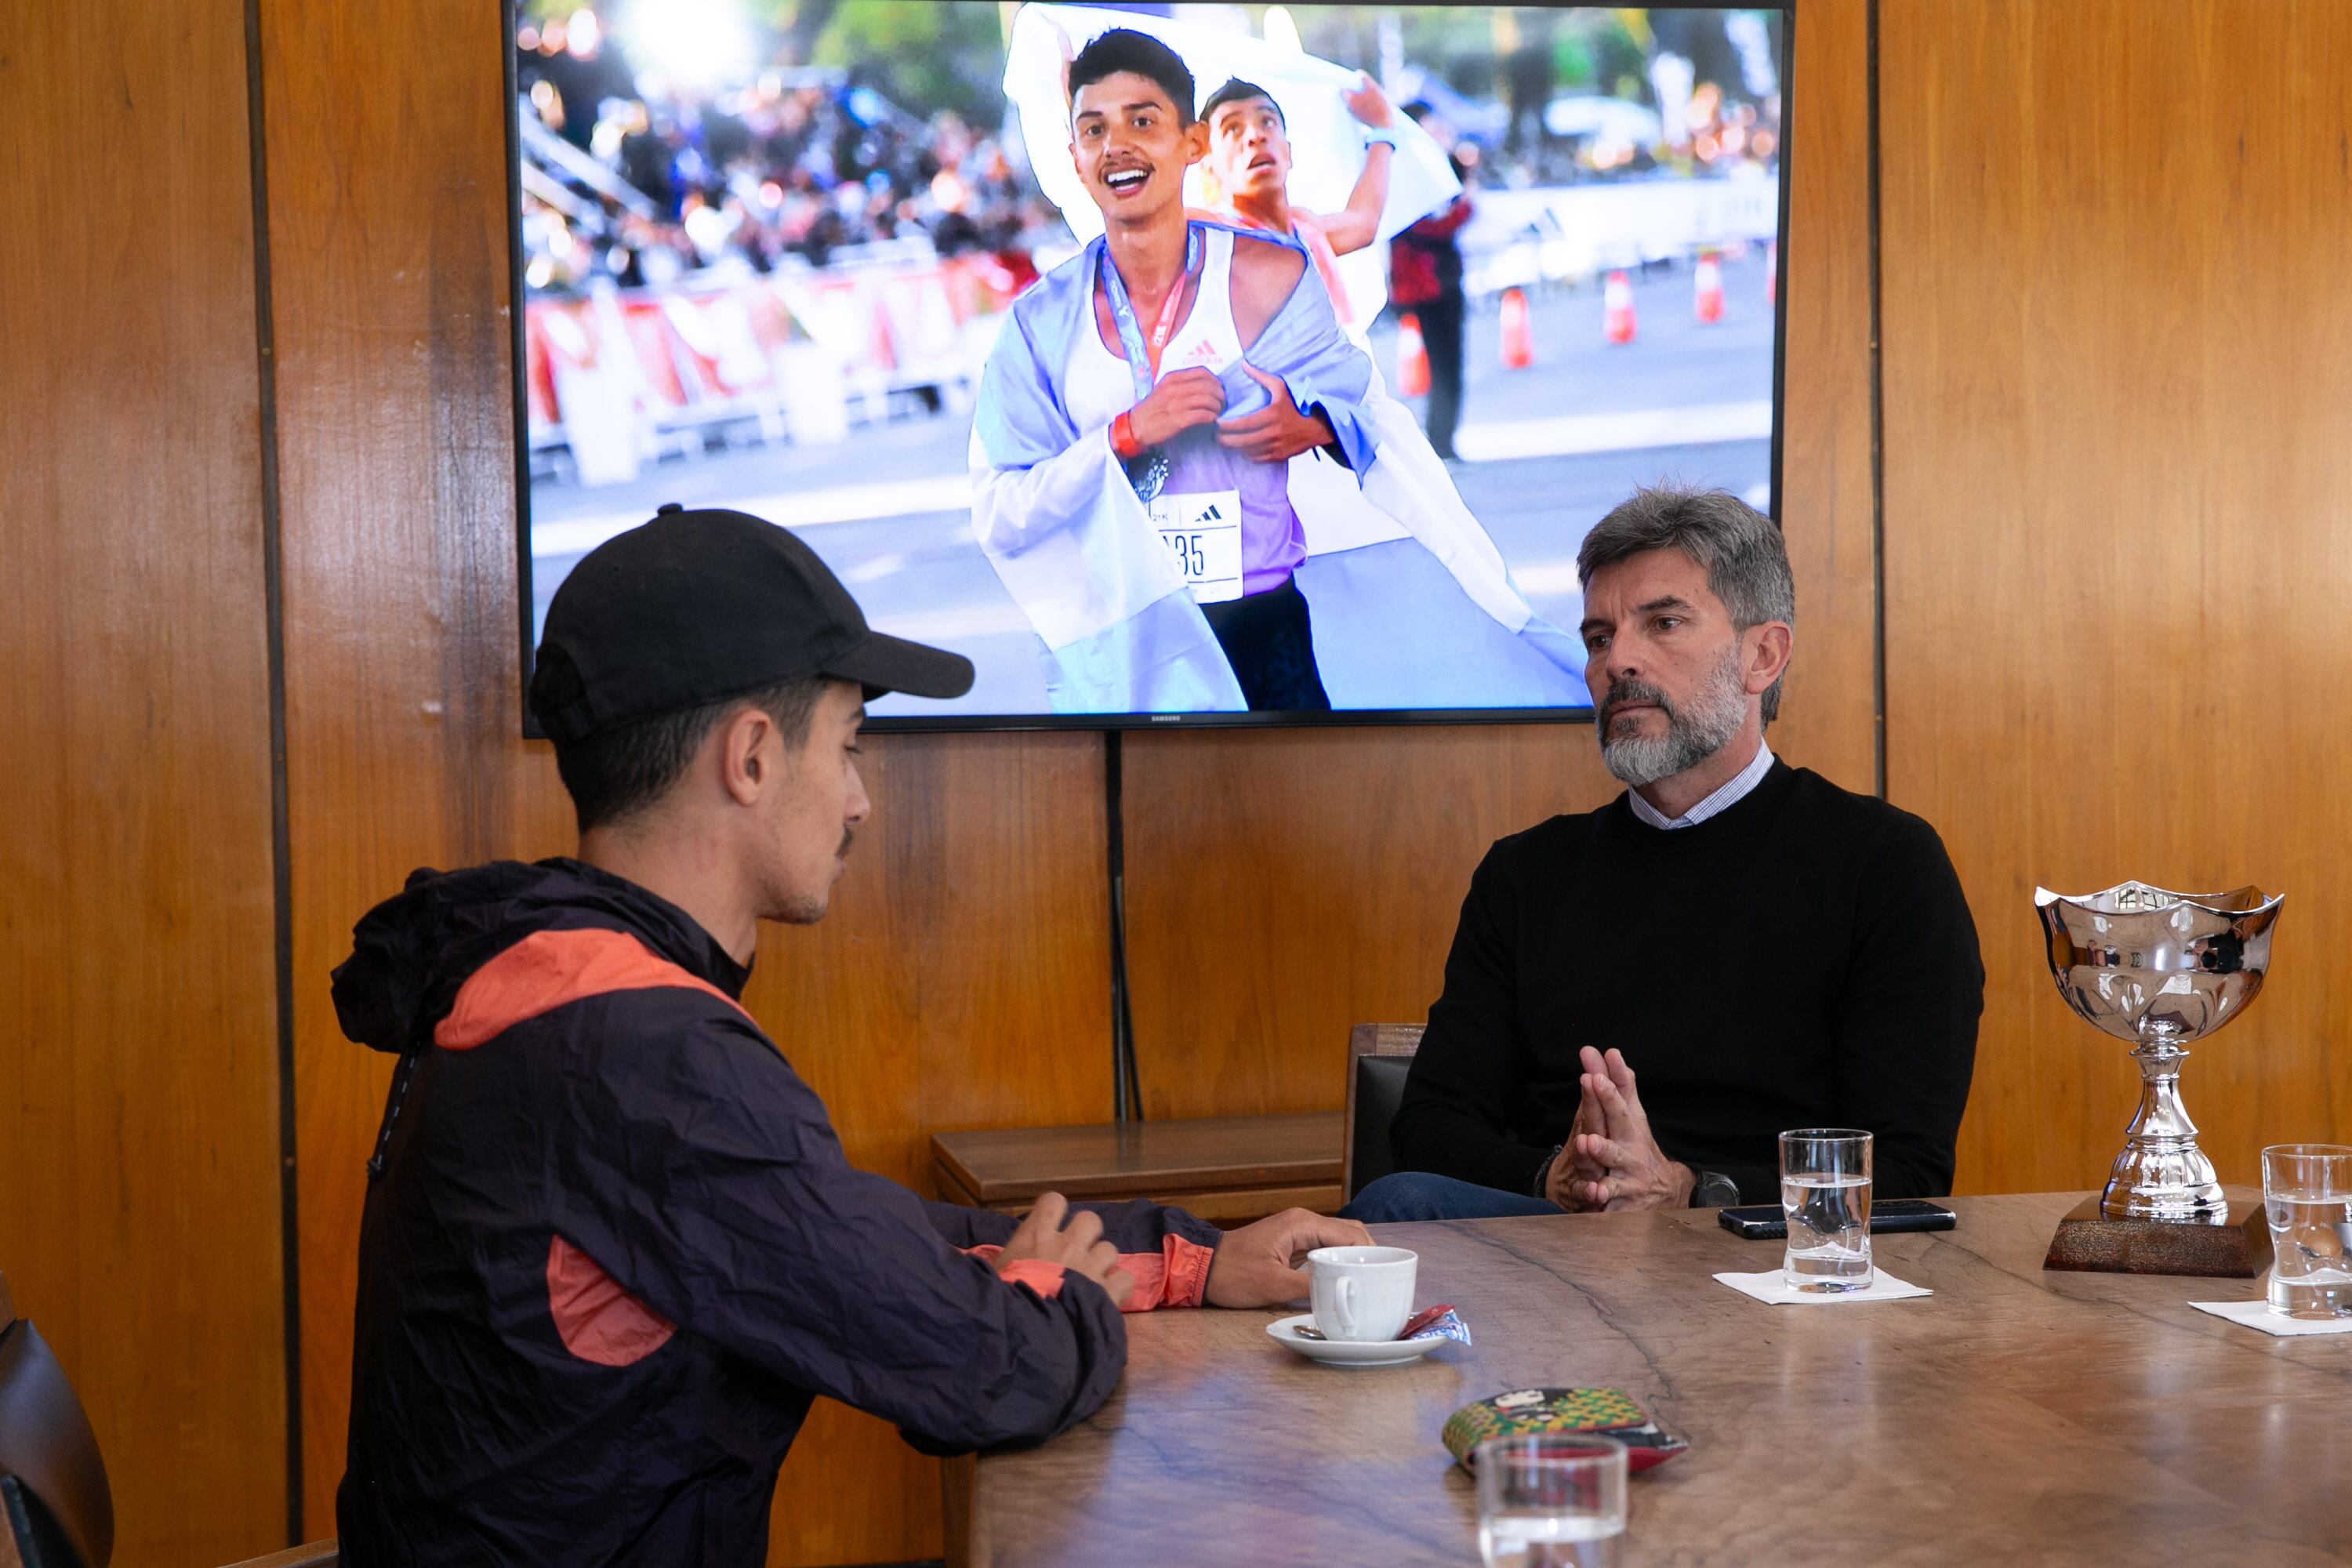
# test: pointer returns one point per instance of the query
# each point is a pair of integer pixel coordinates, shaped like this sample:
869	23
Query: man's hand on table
1259	1265
1638	1175
1078	1248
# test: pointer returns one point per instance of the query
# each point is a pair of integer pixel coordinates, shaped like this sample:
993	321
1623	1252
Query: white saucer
1348	1353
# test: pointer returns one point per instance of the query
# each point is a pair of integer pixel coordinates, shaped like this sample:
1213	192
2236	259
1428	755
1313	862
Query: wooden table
1228	1170
2015	1417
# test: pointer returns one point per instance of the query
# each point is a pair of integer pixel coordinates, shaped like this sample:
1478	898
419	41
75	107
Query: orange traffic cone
1519	337
1412	358
1617	309
1706	288
1772	273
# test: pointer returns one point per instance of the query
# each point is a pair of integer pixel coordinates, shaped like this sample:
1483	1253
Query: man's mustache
847	838
1624	693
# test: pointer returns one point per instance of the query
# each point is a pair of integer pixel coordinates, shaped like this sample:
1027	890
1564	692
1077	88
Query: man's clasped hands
1610	1161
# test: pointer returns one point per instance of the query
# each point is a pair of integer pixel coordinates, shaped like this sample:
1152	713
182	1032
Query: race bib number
1203	530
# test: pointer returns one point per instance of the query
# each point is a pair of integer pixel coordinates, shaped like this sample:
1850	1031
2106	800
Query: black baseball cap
695	608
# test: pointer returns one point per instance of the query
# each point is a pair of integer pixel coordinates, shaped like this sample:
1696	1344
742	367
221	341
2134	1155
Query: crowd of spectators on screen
798	164
810	166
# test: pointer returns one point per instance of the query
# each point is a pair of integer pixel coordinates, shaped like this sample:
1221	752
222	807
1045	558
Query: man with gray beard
1765	949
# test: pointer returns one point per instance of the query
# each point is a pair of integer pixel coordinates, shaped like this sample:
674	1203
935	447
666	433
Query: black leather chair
59	1511
1379	1057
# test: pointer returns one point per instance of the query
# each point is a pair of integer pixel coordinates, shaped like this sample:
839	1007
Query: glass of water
1550	1499
1825	1193
2307	1192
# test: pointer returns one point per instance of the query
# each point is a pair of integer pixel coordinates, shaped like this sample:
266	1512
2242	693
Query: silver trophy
2159	969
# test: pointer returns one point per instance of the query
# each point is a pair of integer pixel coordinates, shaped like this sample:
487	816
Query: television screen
1178	363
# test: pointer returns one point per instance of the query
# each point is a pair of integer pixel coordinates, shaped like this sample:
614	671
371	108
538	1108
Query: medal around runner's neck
1143	359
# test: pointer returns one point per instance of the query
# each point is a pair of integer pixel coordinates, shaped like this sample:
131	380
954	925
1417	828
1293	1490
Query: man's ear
1768	659
1196	142
748	760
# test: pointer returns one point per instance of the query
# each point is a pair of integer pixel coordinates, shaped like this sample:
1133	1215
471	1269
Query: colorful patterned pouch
1609	1411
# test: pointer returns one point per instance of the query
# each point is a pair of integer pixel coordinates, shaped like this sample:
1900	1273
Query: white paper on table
2257	1314
1770	1286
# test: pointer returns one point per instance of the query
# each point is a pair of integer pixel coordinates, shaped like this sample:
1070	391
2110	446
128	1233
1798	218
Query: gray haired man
1768	950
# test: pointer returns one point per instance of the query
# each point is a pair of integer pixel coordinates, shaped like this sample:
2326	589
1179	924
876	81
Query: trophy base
2237	1247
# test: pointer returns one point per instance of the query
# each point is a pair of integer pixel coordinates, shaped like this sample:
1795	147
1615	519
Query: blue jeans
1417	1194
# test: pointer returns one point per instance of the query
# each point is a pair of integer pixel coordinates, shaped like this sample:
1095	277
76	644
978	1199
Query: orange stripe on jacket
1175	1275
1040	1276
597	1320
549	968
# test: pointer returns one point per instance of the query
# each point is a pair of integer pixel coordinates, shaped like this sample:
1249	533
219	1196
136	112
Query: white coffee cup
1361	1292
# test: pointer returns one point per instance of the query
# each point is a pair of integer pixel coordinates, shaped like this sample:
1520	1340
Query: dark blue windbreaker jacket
611	1248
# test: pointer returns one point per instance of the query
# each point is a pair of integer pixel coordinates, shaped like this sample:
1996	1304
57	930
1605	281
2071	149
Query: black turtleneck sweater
1804	959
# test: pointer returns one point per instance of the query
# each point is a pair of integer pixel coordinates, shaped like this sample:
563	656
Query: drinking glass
1550	1499
2307	1194
1825	1193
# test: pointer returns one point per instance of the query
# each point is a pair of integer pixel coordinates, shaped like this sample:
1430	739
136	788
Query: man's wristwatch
1378	136
1714	1190
1543	1172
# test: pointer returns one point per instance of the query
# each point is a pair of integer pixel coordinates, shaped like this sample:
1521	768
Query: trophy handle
2161	1173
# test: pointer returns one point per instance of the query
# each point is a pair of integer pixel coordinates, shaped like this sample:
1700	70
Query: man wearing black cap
611	1248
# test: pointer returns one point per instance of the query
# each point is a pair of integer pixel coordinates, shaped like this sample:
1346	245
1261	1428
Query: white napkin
2257	1314
1769	1285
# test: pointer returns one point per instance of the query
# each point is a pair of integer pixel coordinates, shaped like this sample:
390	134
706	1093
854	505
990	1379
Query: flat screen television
835	262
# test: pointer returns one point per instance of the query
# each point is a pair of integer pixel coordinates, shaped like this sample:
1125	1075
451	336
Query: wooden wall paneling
1828	503
1283	886
961	978
2117	540
138	1186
